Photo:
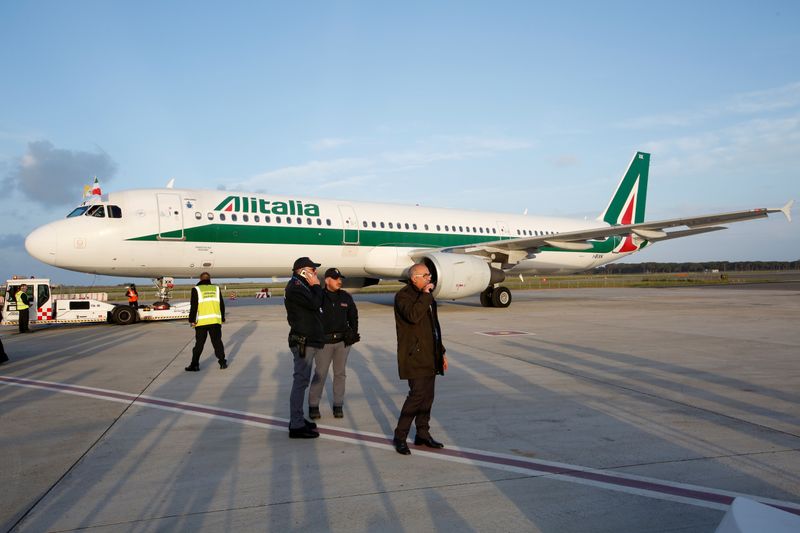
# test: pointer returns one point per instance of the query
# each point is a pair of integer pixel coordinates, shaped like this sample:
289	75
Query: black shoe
429	442
313	413
223	364
337	411
401	447
192	368
310	424
4	361
303	433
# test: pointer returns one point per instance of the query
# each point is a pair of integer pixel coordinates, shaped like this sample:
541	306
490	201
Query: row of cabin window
267	219
537	233
447	227
460	229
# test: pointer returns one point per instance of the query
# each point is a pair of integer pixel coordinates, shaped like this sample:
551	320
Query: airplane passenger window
467	229
406	225
319	222
245	218
382	225
78	211
426	227
446	227
210	216
390	225
288	220
438	227
481	229
460	228
267	219
198	215
299	220
414	226
96	211
494	230
308	221
328	221
115	212
365	224
373	224
257	218
234	217
474	230
278	220
222	216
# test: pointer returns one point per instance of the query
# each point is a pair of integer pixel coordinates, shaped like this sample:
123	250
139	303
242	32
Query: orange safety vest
132	296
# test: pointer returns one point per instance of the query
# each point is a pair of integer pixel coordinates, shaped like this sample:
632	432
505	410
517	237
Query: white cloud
749	103
354	170
328	143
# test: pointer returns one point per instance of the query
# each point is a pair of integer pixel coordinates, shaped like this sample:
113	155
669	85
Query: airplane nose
42	243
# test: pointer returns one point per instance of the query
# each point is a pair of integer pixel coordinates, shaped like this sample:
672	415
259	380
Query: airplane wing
512	251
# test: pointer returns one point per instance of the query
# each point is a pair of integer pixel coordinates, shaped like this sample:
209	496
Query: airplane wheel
501	297
123	315
486	297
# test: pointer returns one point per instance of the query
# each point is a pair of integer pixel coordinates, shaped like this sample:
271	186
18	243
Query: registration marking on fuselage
639	485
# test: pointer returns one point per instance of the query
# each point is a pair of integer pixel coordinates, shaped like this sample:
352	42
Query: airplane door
170	217
350	225
502	228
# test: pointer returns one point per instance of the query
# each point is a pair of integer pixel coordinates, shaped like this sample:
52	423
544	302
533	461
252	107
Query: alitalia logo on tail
628	203
251	204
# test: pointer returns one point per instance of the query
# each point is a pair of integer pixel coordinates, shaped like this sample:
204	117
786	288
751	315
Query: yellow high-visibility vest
208	308
20	304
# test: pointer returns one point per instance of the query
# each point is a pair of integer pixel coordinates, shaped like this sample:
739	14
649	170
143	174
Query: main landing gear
496	297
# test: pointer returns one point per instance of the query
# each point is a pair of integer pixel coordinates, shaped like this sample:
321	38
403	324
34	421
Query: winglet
171	183
787	210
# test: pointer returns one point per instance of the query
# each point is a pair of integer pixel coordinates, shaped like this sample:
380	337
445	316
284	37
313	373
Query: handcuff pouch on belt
300	342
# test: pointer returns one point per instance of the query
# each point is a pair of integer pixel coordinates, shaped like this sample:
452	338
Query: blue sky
502	106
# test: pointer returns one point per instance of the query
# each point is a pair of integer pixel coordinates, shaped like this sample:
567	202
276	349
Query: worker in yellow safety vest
23	306
206	315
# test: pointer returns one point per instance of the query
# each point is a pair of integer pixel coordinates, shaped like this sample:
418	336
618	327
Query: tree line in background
710	266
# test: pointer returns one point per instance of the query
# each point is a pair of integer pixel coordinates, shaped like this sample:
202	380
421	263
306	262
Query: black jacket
193	304
338	312
420	352
304	311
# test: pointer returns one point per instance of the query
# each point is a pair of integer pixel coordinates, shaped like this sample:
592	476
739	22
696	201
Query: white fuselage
174	232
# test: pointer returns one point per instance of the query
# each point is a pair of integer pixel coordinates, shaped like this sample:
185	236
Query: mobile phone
304	273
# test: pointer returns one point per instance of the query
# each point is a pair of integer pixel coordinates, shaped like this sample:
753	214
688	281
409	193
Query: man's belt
332	338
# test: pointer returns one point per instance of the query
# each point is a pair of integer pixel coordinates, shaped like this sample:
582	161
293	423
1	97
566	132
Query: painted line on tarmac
642	486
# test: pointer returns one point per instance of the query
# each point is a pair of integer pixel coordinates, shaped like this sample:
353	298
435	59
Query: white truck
47	308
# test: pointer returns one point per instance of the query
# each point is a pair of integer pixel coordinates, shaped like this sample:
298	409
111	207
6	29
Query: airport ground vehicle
49	308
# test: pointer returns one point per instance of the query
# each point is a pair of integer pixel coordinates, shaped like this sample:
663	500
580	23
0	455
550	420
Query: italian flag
96	187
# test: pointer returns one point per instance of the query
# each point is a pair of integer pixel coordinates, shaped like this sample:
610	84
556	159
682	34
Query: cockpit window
96	211
78	211
114	211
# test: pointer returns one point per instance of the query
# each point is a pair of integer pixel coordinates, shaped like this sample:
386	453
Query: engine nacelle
460	275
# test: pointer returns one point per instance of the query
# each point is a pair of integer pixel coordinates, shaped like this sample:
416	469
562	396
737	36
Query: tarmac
609	410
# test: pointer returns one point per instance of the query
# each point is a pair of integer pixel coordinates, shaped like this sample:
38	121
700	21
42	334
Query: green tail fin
628	203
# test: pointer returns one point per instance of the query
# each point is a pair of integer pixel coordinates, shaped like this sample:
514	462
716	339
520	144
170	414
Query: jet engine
460	275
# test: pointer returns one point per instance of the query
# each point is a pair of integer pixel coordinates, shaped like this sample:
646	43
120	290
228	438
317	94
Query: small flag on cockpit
87	191
96	187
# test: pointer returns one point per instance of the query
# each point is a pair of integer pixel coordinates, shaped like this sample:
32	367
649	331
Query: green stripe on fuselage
251	234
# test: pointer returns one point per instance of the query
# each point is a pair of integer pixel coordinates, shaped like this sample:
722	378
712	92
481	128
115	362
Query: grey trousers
302	375
336	353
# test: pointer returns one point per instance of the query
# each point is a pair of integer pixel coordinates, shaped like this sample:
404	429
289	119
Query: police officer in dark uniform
340	324
3	355
303	301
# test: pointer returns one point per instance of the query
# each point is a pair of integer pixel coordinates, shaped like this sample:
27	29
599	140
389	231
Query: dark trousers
417	408
3	356
24	318
215	332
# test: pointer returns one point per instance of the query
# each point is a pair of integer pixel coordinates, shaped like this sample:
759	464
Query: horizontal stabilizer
566	245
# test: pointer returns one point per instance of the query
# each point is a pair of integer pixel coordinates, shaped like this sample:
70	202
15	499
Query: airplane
182	232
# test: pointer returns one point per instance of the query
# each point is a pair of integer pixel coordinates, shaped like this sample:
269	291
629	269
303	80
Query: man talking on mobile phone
303	301
420	356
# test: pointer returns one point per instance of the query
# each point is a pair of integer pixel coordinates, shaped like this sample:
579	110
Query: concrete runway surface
612	410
